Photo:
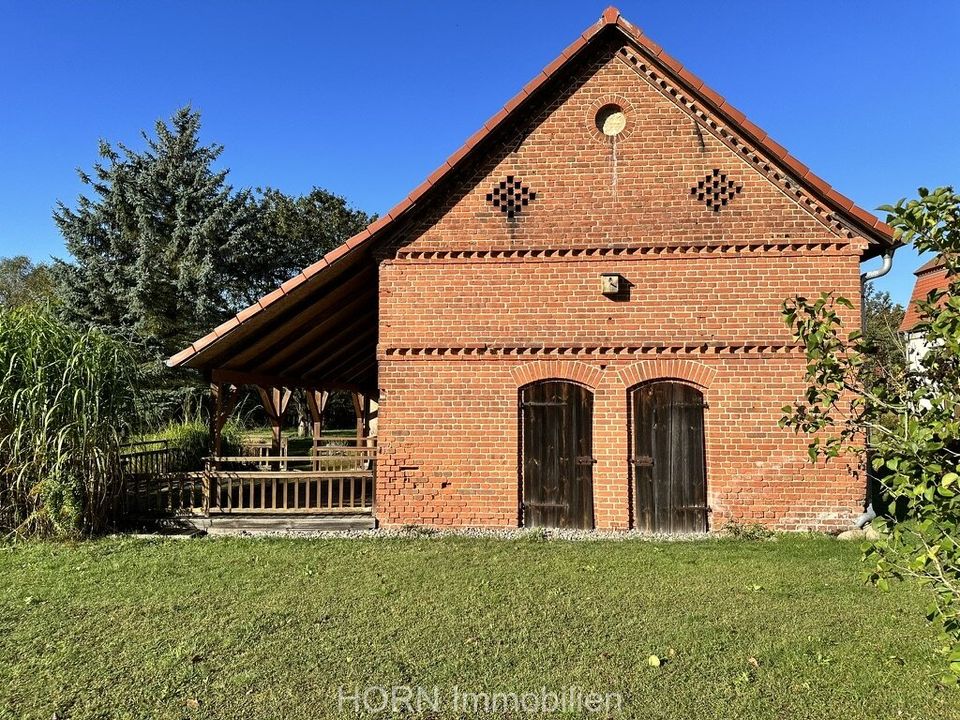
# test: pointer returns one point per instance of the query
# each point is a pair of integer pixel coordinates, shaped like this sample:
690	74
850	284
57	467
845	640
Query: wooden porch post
361	406
366	416
224	402
216	405
225	399
275	402
317	404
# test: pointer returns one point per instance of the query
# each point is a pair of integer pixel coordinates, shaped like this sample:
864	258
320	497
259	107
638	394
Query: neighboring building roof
931	264
878	234
932	275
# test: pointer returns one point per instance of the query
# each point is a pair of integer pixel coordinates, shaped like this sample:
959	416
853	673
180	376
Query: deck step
295	522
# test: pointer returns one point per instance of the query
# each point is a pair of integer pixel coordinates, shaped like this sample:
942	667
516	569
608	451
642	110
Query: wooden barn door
557	440
669	462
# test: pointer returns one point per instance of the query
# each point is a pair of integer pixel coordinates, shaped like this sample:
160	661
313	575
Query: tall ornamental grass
67	402
190	441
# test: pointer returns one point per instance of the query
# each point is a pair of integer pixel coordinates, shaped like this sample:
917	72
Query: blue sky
366	99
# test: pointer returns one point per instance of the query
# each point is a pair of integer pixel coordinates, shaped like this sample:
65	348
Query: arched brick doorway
556	446
668	458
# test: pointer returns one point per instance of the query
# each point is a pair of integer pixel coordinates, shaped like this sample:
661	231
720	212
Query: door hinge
643	461
586	460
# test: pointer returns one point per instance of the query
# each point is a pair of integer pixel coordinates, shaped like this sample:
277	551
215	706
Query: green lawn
270	628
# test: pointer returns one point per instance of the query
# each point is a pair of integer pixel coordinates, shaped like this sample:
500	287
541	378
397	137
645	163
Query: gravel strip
431	533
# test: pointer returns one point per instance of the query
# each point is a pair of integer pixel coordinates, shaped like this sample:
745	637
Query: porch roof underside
323	335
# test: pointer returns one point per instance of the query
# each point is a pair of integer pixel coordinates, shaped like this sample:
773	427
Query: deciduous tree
23	282
918	455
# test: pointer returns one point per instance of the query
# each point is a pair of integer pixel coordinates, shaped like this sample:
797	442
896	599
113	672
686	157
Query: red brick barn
575	320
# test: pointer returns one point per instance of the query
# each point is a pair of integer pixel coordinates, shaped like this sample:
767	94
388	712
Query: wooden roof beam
276	339
348	328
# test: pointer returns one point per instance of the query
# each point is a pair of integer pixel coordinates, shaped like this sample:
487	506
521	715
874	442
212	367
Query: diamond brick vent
716	190
511	196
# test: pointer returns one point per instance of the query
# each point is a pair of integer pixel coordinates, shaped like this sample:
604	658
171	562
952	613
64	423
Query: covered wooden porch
315	335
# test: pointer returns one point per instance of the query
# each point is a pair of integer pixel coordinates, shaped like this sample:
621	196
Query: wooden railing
156	480
333	481
335	478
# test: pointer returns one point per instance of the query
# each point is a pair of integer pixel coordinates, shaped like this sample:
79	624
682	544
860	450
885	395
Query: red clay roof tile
692	80
552	67
476	138
797	167
203	342
420	190
338	252
654	48
931	264
574	47
864	216
293	282
438	174
817	183
360	238
316	267
248	311
840	199
882	227
401	207
458	155
734	114
181	356
774	148
611	14
529	88
930	276
272	297
714	97
226	326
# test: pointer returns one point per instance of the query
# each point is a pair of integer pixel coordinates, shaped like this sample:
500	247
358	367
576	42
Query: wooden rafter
355	333
276	316
347	367
361	376
276	336
298	344
241	377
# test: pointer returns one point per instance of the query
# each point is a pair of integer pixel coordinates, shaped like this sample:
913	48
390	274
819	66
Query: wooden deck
336	481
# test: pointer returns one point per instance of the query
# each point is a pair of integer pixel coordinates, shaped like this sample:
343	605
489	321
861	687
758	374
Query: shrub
747	531
190	441
67	401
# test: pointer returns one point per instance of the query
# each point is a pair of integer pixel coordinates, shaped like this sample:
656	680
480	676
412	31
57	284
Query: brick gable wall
474	304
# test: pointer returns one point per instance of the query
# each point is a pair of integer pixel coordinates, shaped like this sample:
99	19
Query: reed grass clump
189	441
68	400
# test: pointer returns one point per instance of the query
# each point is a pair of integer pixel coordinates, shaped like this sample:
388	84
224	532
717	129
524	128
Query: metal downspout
869	514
